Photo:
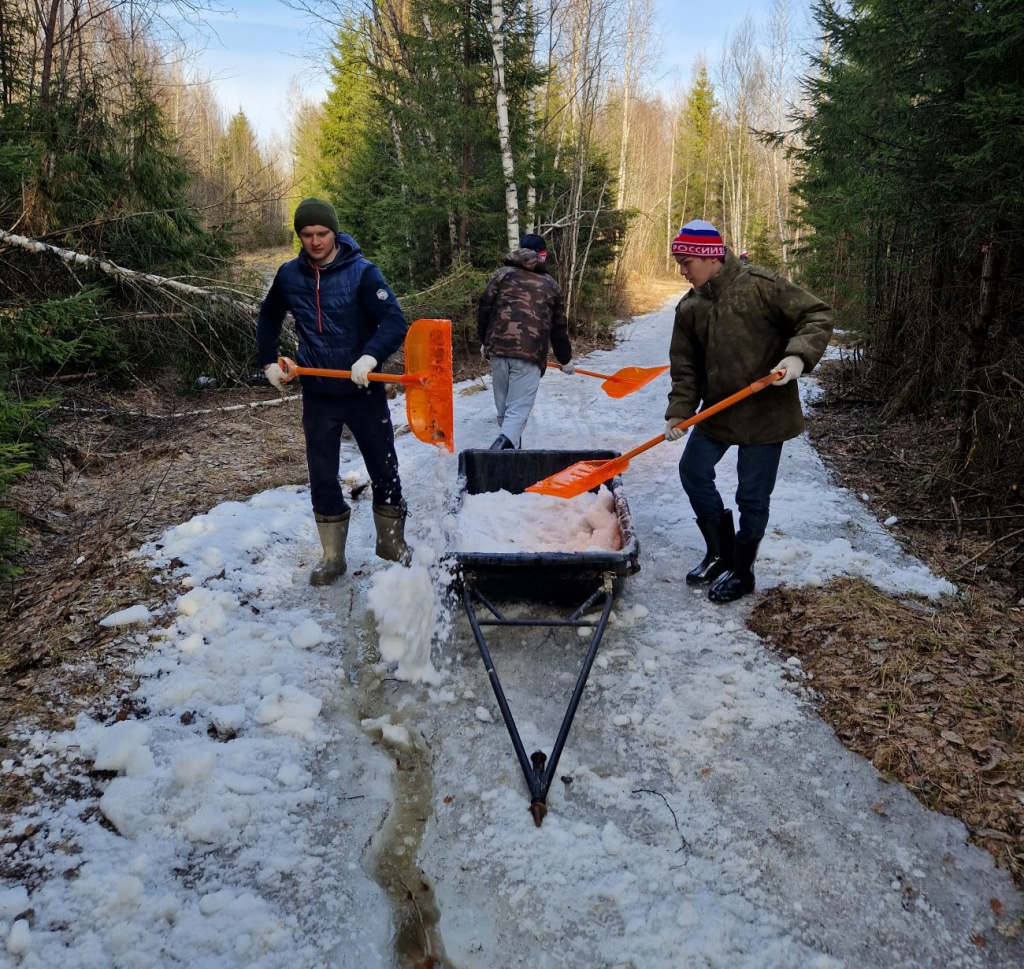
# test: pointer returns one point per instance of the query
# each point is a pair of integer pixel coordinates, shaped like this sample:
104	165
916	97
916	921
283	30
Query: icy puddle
392	855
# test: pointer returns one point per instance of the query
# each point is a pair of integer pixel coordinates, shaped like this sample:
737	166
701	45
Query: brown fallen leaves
933	695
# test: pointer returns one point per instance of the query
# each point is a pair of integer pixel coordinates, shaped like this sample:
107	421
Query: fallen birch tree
72	258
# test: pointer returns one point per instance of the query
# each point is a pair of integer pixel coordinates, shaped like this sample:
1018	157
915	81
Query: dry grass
645	295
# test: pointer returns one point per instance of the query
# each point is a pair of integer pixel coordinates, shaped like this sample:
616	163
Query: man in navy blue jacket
346	318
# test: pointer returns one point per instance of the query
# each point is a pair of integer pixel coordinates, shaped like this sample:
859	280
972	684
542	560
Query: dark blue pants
367	416
756	469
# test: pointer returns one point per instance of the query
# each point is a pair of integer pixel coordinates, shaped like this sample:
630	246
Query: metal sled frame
538	768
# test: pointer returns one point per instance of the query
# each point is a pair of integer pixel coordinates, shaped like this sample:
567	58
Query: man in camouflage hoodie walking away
519	316
729	331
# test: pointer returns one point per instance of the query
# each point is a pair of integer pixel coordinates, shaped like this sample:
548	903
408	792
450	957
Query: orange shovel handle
588	373
289	366
755	387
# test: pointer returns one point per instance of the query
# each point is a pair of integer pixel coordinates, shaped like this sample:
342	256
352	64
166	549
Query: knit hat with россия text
699	238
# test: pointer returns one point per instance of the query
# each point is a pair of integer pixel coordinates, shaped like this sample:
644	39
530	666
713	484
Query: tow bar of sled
538	768
590	578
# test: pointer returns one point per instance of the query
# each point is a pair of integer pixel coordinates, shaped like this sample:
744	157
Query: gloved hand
673	433
483	352
277	377
793	366
569	367
361	370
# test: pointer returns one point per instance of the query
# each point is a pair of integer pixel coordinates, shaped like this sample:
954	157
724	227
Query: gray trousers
515	389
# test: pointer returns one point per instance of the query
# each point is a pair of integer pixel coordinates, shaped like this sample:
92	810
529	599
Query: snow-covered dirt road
287	802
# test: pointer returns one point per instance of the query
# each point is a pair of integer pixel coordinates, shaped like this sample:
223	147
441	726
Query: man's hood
526	259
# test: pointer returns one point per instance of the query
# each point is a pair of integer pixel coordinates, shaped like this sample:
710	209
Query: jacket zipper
319	318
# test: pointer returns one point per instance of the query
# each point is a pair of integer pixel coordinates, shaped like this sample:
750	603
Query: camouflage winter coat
521	312
732	331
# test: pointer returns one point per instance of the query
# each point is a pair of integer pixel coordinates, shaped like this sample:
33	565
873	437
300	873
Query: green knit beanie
315	211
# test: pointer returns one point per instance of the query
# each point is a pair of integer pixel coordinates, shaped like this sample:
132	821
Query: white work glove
673	433
793	366
277	377
569	367
361	370
483	352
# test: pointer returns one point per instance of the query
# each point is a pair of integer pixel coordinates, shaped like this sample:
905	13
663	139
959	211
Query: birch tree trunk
668	204
627	89
531	131
497	30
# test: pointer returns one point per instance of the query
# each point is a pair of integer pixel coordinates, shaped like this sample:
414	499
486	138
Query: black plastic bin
544	576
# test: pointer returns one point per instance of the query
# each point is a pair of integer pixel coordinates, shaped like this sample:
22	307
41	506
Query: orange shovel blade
429	405
624	382
580	477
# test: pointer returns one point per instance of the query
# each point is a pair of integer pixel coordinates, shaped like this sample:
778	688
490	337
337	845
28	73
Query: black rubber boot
739	580
719	536
333	531
390	523
502	443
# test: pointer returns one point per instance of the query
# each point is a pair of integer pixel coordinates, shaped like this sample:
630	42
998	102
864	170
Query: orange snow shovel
429	408
623	382
584	475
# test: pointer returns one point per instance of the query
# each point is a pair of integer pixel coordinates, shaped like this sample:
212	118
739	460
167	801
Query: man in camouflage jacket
729	331
520	314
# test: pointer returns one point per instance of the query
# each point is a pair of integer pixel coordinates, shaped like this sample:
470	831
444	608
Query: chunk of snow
891	520
289	775
396	734
611	839
20	939
307	634
215	902
117	744
484	715
126	804
128	617
289	710
403	603
228	720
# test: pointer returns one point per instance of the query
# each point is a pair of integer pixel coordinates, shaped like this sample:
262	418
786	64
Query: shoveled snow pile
501	522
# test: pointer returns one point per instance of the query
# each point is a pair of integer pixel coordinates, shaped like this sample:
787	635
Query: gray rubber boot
333	531
390	522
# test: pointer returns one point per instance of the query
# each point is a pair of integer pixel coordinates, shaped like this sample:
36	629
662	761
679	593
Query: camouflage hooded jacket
731	332
520	312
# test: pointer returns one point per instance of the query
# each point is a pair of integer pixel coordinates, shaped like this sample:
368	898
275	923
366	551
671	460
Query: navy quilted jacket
341	311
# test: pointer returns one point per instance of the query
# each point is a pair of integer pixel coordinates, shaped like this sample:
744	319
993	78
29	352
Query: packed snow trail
703	815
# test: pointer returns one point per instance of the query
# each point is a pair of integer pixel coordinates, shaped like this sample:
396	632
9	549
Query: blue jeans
757	466
515	385
368	418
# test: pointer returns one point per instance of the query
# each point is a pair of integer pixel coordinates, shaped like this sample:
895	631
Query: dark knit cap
534	242
315	211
